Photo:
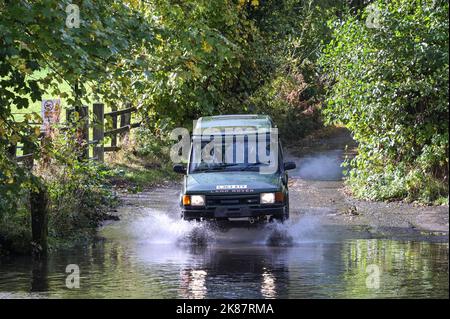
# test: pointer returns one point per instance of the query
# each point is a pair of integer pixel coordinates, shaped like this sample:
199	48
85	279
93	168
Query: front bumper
225	212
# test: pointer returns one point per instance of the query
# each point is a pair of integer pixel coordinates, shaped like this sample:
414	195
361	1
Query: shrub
287	101
79	193
389	85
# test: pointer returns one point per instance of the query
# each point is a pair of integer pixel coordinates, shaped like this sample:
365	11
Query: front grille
230	200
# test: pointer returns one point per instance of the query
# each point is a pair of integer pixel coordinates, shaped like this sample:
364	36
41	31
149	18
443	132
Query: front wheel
282	217
189	219
286	211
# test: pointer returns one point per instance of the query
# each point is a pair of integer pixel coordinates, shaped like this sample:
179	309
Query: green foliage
79	198
153	142
15	226
34	39
137	178
223	57
293	34
283	98
202	64
38	53
389	86
79	193
145	162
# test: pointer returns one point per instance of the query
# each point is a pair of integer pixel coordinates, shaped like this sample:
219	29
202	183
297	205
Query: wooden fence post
83	131
99	130
125	119
114	126
28	148
12	150
84	118
39	221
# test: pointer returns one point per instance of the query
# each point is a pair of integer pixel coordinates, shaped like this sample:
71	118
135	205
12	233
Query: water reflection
407	268
232	273
129	269
39	277
268	287
192	283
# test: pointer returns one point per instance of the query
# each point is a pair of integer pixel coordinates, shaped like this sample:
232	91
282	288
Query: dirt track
317	190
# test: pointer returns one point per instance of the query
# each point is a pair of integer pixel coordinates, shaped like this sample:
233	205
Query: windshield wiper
215	167
225	165
252	165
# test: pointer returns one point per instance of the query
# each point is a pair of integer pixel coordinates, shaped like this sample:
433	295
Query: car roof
245	121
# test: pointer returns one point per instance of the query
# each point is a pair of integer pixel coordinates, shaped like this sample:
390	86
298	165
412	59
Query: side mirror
289	165
179	168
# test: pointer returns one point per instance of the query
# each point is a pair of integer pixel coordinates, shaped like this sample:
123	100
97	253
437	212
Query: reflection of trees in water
407	268
39	275
114	272
107	270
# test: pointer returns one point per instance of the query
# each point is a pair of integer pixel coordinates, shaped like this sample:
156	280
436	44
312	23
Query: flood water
151	253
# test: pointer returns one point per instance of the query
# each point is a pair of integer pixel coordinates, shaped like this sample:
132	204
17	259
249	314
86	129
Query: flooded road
151	253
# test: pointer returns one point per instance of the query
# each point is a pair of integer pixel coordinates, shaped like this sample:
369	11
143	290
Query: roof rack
248	123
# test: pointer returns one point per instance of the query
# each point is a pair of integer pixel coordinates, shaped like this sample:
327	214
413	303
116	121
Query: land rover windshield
231	153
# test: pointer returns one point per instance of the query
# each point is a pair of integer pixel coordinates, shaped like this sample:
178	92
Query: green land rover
235	171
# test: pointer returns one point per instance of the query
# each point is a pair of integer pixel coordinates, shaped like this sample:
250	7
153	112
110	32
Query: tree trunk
39	222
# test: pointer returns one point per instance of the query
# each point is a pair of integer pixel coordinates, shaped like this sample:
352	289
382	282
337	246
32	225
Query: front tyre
284	216
286	211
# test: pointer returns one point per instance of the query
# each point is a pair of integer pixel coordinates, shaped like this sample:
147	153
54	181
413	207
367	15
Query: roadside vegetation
388	83
143	162
307	63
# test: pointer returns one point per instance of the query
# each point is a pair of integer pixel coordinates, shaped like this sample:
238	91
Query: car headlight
271	198
267	198
197	200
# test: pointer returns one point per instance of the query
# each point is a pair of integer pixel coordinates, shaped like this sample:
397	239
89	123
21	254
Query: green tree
387	68
38	52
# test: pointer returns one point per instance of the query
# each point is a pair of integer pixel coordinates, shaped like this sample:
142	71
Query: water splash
159	228
279	235
199	235
304	229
